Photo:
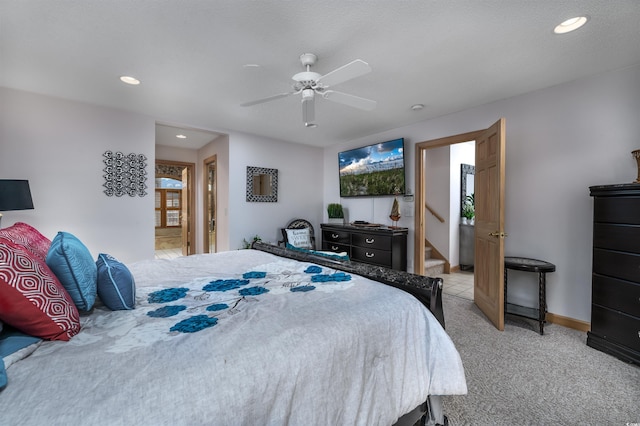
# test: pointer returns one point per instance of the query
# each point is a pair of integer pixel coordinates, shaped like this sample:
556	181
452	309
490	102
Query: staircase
432	267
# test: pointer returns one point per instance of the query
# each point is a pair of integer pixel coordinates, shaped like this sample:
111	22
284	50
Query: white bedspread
353	352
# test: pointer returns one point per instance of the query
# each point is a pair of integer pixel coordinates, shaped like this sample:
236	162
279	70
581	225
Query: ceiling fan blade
350	100
346	72
270	98
308	110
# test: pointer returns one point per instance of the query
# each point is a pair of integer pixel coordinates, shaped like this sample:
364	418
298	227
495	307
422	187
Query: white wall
58	146
299	187
560	141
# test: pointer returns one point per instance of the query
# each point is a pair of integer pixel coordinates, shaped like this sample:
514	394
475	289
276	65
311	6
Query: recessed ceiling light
310	125
181	136
570	25
417	107
251	66
129	80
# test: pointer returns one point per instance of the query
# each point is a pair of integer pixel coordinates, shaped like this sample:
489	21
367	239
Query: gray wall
58	146
560	141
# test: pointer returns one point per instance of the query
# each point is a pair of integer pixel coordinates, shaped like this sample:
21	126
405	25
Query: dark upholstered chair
298	224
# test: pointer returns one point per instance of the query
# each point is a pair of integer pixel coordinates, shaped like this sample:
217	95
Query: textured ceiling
446	54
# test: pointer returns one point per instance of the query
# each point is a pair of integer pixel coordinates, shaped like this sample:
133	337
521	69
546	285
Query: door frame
191	167
420	179
205	179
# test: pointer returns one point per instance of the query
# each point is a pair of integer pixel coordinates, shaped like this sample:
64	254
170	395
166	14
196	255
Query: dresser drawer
617	237
616	294
615	326
379	242
335	247
617	210
333	236
370	255
616	264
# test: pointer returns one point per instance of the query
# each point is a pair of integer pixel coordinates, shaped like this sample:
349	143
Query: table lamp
14	195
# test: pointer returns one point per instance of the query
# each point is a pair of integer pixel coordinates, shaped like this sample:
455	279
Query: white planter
336	220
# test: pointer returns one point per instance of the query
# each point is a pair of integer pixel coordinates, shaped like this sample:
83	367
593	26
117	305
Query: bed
266	336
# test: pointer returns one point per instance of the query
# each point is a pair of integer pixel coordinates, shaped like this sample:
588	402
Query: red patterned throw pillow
28	237
31	297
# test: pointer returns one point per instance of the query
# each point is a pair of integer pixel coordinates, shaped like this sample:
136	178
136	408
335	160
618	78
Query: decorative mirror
467	175
262	185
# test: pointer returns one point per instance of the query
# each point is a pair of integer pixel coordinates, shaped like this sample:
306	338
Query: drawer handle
335	236
369	240
369	255
334	248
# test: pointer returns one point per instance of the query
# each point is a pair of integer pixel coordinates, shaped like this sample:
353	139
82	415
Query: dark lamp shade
15	195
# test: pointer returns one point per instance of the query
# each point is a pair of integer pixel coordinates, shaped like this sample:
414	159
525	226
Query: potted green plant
336	214
247	244
468	209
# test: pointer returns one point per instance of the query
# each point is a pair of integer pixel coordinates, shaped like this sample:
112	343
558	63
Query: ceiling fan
309	83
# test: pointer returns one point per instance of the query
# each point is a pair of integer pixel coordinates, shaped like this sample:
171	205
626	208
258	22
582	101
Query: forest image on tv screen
373	170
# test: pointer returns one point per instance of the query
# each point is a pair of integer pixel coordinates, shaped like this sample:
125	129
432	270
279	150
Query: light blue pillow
73	265
116	286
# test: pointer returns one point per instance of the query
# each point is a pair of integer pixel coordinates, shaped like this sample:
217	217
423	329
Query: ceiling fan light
307	94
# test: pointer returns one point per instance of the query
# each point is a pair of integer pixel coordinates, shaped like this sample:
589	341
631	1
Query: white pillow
300	238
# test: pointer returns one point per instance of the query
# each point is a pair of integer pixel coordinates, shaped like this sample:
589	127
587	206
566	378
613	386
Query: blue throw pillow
116	286
73	265
12	341
3	375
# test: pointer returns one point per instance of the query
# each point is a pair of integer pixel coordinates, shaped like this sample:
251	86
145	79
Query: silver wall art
125	174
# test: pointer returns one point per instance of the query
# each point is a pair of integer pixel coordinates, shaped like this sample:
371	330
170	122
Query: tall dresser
615	304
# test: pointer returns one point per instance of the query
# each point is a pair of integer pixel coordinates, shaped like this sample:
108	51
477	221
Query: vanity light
130	80
570	25
181	136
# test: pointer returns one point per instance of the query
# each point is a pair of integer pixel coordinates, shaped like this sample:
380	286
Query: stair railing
433	212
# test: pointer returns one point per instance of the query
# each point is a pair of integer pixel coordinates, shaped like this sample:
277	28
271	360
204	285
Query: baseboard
568	322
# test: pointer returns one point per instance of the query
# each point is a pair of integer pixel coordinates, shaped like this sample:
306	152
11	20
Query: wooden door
184	214
488	288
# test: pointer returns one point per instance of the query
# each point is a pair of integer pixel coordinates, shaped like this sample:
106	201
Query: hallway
458	283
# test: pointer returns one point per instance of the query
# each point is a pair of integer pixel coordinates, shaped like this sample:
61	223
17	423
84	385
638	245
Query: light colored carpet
518	377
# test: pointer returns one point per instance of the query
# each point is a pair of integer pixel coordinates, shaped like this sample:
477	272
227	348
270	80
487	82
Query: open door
184	213
488	289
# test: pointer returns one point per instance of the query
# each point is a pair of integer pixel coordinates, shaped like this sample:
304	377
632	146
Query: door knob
498	234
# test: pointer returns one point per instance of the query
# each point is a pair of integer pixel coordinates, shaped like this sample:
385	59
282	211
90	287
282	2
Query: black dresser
615	303
383	246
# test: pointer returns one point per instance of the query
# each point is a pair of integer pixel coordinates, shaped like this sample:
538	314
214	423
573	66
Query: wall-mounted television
372	170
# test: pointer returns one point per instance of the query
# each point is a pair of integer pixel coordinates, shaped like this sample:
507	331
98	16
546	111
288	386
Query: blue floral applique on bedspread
221	298
167	311
196	323
224	285
167	295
